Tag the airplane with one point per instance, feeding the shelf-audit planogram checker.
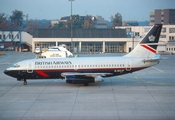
(85, 70)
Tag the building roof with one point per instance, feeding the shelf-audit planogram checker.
(80, 33)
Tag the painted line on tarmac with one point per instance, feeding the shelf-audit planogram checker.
(158, 69)
(5, 63)
(125, 78)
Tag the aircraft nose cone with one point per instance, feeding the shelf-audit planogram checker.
(6, 72)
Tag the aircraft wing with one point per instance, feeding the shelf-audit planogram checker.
(84, 74)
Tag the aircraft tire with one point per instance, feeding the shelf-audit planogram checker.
(86, 84)
(25, 82)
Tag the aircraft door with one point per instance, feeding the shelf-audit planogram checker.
(128, 65)
(30, 67)
(76, 67)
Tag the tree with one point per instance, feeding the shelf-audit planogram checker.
(77, 21)
(89, 22)
(116, 20)
(4, 25)
(60, 25)
(16, 19)
(30, 26)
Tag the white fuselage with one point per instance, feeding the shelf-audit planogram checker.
(52, 66)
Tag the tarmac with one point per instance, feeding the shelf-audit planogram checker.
(148, 94)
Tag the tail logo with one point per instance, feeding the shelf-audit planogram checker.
(151, 38)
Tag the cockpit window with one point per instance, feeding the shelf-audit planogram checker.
(16, 65)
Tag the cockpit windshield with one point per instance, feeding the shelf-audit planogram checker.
(16, 65)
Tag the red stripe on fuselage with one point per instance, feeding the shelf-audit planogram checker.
(149, 48)
(40, 72)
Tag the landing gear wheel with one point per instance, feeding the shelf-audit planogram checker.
(85, 83)
(25, 82)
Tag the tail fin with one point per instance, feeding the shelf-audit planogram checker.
(148, 45)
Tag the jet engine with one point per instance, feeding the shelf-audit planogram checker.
(82, 79)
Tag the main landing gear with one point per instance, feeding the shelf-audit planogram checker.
(25, 82)
(86, 83)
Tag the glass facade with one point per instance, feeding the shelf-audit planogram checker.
(114, 47)
(94, 47)
(86, 47)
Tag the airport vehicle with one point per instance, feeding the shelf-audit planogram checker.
(54, 54)
(37, 50)
(85, 70)
(61, 48)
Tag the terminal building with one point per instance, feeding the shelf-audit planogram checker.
(121, 39)
(83, 40)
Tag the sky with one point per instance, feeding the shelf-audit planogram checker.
(55, 9)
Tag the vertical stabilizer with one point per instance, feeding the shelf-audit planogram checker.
(148, 45)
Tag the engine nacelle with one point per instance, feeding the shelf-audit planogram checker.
(98, 79)
(82, 79)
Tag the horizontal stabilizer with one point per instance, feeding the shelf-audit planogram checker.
(150, 60)
(156, 58)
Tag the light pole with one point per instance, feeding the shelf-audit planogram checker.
(133, 35)
(72, 47)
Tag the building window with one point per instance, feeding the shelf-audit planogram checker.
(162, 36)
(18, 36)
(0, 36)
(171, 37)
(146, 29)
(171, 30)
(152, 16)
(152, 21)
(163, 29)
(4, 36)
(137, 34)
